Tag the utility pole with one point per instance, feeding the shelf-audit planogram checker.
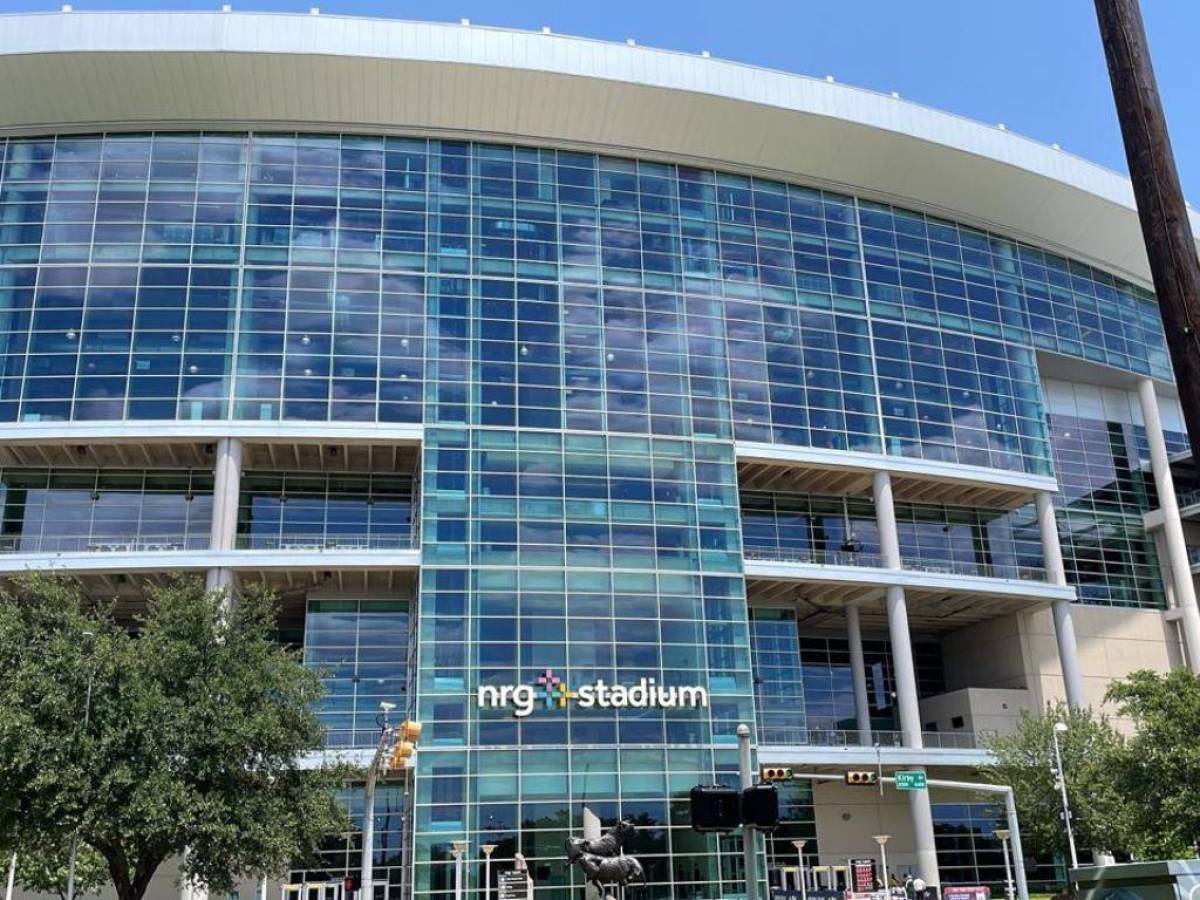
(1170, 246)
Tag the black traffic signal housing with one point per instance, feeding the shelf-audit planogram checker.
(715, 808)
(862, 777)
(760, 806)
(775, 773)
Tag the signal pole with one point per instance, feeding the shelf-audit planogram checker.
(747, 779)
(1166, 230)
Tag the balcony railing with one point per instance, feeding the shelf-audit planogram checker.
(141, 543)
(813, 557)
(323, 542)
(816, 737)
(1188, 499)
(50, 544)
(872, 560)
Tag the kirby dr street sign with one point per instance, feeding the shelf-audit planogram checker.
(910, 781)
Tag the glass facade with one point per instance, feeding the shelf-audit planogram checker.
(361, 649)
(312, 510)
(582, 339)
(933, 537)
(97, 510)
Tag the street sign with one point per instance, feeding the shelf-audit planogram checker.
(911, 781)
(513, 885)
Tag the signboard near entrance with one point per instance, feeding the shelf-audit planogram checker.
(911, 781)
(862, 875)
(513, 885)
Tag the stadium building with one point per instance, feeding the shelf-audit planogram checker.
(585, 401)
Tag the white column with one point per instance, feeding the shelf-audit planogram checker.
(1181, 569)
(907, 698)
(227, 477)
(1064, 624)
(858, 673)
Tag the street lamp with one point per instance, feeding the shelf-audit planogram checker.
(1061, 776)
(488, 850)
(881, 840)
(87, 715)
(799, 845)
(1004, 834)
(457, 849)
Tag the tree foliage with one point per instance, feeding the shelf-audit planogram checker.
(198, 725)
(1091, 752)
(43, 868)
(1160, 764)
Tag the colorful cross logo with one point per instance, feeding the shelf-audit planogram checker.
(554, 691)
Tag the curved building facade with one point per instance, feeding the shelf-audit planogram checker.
(586, 402)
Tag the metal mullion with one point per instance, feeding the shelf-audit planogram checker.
(235, 331)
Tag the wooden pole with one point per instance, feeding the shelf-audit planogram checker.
(1170, 246)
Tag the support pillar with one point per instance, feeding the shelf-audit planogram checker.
(858, 673)
(1177, 555)
(1064, 624)
(904, 672)
(227, 477)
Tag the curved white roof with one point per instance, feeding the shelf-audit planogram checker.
(93, 71)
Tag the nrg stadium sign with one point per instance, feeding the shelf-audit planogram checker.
(554, 693)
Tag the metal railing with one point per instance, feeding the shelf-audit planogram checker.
(1188, 499)
(813, 557)
(322, 542)
(819, 737)
(140, 543)
(872, 560)
(157, 543)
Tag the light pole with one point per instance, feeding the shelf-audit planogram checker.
(488, 850)
(881, 840)
(87, 716)
(799, 845)
(1059, 728)
(366, 889)
(747, 780)
(1004, 834)
(457, 849)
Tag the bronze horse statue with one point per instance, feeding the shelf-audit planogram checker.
(604, 870)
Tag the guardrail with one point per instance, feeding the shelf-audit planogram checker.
(321, 542)
(141, 543)
(1188, 499)
(872, 560)
(818, 737)
(157, 543)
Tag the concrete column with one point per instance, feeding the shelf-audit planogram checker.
(904, 672)
(227, 477)
(1181, 569)
(858, 672)
(1064, 624)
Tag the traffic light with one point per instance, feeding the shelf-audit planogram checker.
(715, 808)
(776, 773)
(407, 734)
(862, 777)
(760, 806)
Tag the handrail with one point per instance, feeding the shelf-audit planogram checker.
(325, 541)
(93, 543)
(142, 543)
(872, 560)
(819, 737)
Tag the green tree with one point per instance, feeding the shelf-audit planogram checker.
(1160, 771)
(198, 727)
(44, 869)
(1091, 754)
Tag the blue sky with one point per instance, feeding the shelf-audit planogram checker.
(1036, 65)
